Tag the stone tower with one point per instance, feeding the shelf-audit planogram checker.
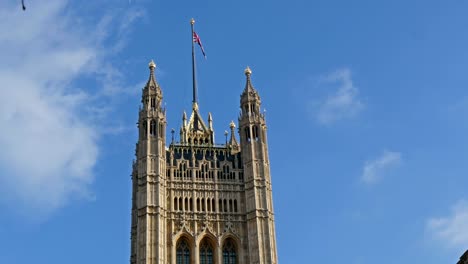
(196, 201)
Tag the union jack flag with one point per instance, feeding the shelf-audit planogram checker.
(197, 40)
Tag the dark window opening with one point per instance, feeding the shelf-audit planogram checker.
(229, 252)
(183, 252)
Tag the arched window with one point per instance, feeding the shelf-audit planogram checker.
(175, 204)
(153, 128)
(206, 252)
(255, 133)
(247, 133)
(229, 252)
(183, 252)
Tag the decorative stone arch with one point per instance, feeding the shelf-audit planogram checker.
(184, 234)
(206, 235)
(237, 242)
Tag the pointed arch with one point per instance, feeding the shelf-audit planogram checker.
(183, 251)
(230, 251)
(152, 127)
(206, 251)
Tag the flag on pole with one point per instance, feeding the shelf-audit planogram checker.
(197, 40)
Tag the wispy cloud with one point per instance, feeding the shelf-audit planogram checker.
(374, 170)
(48, 144)
(342, 101)
(451, 230)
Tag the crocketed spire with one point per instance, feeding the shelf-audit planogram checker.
(152, 79)
(249, 92)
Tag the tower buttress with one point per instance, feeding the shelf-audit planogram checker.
(149, 178)
(258, 191)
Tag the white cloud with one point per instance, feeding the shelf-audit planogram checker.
(451, 230)
(48, 147)
(340, 104)
(375, 169)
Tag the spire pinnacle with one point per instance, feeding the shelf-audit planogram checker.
(249, 89)
(232, 125)
(248, 71)
(152, 65)
(232, 141)
(152, 79)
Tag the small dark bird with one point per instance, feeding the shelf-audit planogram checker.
(24, 7)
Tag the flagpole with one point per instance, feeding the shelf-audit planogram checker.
(194, 101)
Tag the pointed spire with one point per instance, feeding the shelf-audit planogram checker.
(249, 89)
(210, 121)
(232, 141)
(152, 79)
(184, 118)
(233, 145)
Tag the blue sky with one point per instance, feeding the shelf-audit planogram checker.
(366, 107)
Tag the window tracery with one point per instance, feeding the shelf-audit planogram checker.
(183, 252)
(206, 252)
(229, 252)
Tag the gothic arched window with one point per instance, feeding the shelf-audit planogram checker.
(153, 128)
(229, 252)
(206, 252)
(183, 252)
(247, 133)
(255, 133)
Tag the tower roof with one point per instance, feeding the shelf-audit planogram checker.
(152, 85)
(249, 92)
(195, 131)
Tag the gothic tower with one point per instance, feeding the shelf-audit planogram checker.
(197, 201)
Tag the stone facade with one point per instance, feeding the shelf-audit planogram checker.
(463, 258)
(195, 201)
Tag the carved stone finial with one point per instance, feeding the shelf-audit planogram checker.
(152, 65)
(248, 71)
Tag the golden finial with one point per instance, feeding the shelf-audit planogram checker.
(152, 65)
(192, 21)
(232, 125)
(248, 71)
